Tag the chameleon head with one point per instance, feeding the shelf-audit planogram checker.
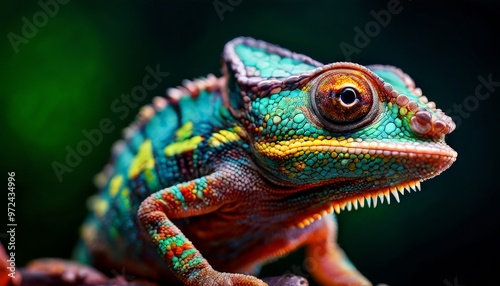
(343, 125)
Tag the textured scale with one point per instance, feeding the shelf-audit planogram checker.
(224, 174)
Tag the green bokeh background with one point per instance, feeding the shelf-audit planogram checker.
(65, 77)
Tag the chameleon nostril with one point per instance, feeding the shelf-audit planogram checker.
(441, 126)
(431, 125)
(420, 127)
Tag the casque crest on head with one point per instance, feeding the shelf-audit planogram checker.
(343, 96)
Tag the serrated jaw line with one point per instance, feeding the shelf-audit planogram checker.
(369, 199)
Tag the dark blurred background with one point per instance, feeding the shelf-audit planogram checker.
(61, 69)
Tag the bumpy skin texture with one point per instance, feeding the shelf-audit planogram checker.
(227, 173)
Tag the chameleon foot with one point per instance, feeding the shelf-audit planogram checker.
(210, 277)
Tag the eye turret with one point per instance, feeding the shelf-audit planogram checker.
(344, 99)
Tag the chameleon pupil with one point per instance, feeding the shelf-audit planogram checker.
(348, 96)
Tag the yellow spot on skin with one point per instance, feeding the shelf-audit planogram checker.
(88, 233)
(231, 136)
(100, 207)
(180, 147)
(125, 198)
(299, 166)
(352, 166)
(403, 111)
(221, 137)
(143, 160)
(150, 176)
(114, 185)
(240, 132)
(125, 192)
(185, 131)
(213, 142)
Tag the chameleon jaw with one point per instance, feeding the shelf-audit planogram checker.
(438, 155)
(370, 198)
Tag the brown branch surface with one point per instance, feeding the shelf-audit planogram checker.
(59, 272)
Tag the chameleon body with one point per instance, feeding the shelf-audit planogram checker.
(225, 174)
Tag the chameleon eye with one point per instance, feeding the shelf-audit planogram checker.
(343, 99)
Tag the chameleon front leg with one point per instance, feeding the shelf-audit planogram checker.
(197, 197)
(329, 264)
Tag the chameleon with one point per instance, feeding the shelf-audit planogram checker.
(224, 174)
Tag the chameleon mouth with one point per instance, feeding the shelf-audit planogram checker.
(420, 161)
(369, 199)
(420, 157)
